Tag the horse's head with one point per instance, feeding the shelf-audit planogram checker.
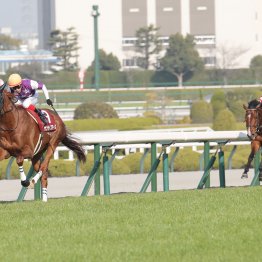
(6, 97)
(253, 119)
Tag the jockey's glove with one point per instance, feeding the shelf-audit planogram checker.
(49, 102)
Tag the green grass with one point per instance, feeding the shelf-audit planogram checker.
(190, 225)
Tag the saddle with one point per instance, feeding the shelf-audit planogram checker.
(51, 126)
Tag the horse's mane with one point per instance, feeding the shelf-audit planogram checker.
(253, 104)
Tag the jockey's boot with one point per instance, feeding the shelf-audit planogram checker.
(42, 116)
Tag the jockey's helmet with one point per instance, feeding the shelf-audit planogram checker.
(14, 80)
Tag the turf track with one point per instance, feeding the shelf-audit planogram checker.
(186, 225)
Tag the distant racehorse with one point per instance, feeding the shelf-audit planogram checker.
(253, 119)
(21, 137)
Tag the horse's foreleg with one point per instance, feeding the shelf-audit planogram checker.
(24, 181)
(247, 167)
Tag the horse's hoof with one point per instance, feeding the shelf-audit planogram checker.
(244, 176)
(44, 198)
(25, 183)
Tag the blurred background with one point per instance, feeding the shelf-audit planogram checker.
(183, 62)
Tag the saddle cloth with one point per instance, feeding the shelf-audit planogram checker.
(43, 128)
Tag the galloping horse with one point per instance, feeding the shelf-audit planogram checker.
(20, 137)
(253, 119)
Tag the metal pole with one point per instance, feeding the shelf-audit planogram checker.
(206, 162)
(95, 14)
(255, 181)
(97, 175)
(106, 175)
(38, 190)
(142, 160)
(222, 178)
(165, 172)
(153, 159)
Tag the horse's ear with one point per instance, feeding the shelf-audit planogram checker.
(245, 107)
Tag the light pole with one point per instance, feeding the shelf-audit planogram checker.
(95, 14)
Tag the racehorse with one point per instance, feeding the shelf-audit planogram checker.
(253, 119)
(21, 137)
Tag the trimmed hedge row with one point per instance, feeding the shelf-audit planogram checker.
(133, 123)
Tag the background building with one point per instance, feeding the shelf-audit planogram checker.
(228, 33)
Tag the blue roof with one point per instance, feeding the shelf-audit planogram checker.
(27, 55)
(27, 52)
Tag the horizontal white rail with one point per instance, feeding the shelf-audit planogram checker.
(162, 137)
(133, 141)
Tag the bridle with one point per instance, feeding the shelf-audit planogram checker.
(255, 123)
(3, 111)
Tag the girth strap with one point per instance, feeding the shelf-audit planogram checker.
(39, 143)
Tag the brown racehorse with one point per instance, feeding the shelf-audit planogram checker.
(253, 119)
(21, 138)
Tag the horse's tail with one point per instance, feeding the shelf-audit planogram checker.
(70, 142)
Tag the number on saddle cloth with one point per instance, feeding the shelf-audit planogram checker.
(51, 126)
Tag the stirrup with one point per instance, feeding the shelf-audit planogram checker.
(43, 118)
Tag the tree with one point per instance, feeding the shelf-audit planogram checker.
(225, 120)
(227, 58)
(147, 44)
(256, 66)
(64, 45)
(107, 62)
(218, 102)
(9, 43)
(181, 57)
(201, 112)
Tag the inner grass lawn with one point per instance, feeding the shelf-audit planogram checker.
(187, 225)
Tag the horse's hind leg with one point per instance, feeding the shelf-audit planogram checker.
(40, 174)
(42, 169)
(44, 186)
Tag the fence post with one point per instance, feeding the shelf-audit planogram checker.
(255, 181)
(222, 178)
(173, 159)
(91, 177)
(206, 162)
(8, 168)
(153, 159)
(38, 190)
(106, 174)
(231, 156)
(165, 171)
(23, 191)
(142, 160)
(97, 175)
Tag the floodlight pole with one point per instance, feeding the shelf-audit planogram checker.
(95, 14)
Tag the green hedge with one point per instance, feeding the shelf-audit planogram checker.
(112, 124)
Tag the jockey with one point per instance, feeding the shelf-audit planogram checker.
(260, 102)
(27, 96)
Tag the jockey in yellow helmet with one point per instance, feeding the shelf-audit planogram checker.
(26, 92)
